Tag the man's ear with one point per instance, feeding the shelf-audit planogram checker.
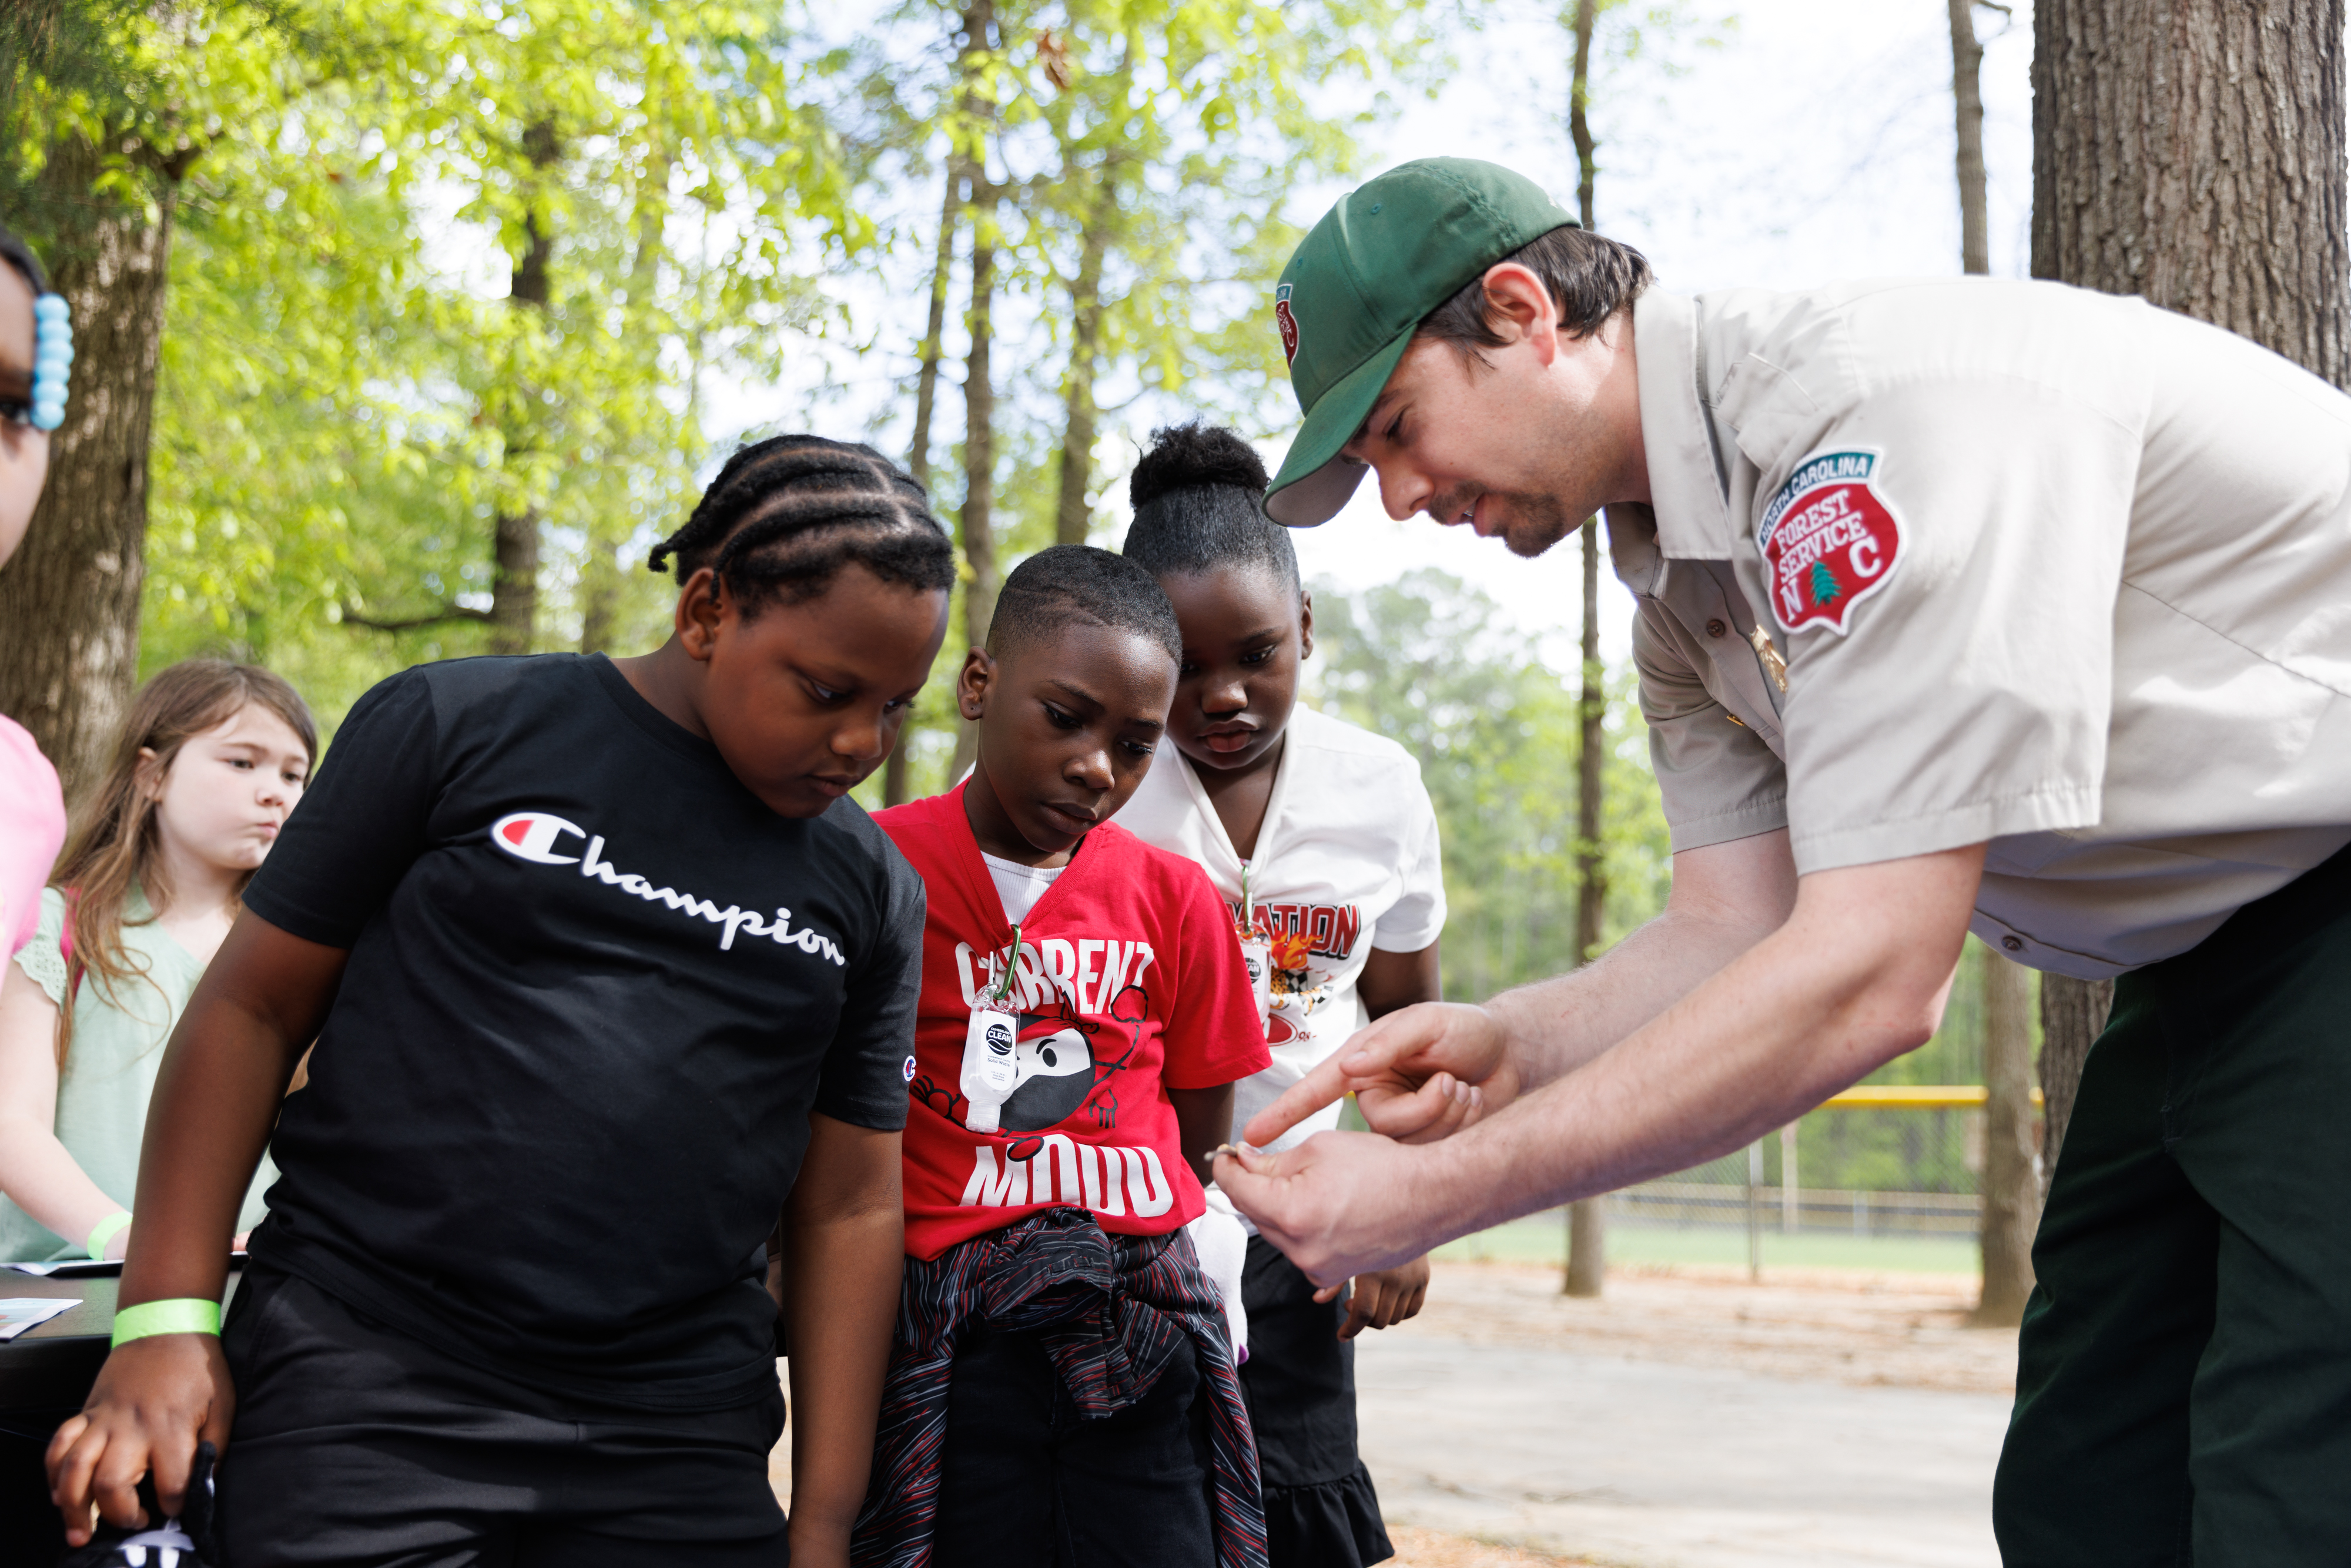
(974, 682)
(701, 608)
(1305, 625)
(1518, 307)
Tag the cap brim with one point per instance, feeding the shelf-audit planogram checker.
(1315, 480)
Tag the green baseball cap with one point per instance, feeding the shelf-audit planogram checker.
(1361, 281)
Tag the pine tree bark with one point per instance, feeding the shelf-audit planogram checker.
(1966, 98)
(2012, 1183)
(513, 591)
(927, 379)
(70, 597)
(976, 522)
(1587, 1233)
(2191, 151)
(1079, 415)
(977, 519)
(2073, 1015)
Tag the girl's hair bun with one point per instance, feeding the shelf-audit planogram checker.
(1188, 456)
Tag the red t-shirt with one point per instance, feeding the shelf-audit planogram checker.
(1129, 984)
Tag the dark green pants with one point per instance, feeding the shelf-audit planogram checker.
(2183, 1387)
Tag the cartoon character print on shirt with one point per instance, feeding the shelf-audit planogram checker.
(1058, 1073)
(1053, 1061)
(1299, 933)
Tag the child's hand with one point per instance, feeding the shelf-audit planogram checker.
(155, 1399)
(1383, 1300)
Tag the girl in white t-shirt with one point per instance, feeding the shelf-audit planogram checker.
(1323, 841)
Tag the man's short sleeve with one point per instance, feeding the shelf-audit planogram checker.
(1966, 696)
(1718, 778)
(870, 1062)
(1212, 1035)
(362, 821)
(1418, 918)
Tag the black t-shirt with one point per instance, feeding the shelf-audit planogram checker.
(595, 989)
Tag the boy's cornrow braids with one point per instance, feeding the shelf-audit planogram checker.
(785, 514)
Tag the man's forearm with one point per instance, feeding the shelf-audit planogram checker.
(1839, 990)
(1556, 1026)
(1725, 898)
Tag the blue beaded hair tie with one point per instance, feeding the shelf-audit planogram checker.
(53, 356)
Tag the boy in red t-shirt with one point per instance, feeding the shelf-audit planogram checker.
(1061, 1388)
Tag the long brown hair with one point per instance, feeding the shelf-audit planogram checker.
(115, 847)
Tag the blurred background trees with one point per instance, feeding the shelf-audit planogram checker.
(407, 328)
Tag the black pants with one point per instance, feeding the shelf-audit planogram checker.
(355, 1444)
(1025, 1481)
(2183, 1390)
(1300, 1381)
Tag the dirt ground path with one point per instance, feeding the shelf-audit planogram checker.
(1904, 1330)
(1688, 1419)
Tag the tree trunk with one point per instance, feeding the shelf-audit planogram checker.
(513, 591)
(1579, 96)
(2191, 151)
(70, 598)
(1966, 97)
(2073, 1015)
(1587, 1224)
(926, 383)
(1078, 414)
(600, 574)
(976, 522)
(2011, 1186)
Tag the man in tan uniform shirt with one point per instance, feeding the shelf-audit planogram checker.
(1962, 605)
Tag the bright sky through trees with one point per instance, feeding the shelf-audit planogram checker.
(1814, 142)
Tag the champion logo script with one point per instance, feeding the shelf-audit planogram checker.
(535, 836)
(1287, 320)
(1828, 540)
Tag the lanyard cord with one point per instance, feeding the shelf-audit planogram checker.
(1011, 965)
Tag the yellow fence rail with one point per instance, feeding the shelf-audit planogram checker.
(1913, 1097)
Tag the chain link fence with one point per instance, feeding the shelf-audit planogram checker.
(1864, 1171)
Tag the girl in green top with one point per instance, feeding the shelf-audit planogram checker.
(211, 762)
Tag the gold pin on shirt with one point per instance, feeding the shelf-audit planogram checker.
(1773, 665)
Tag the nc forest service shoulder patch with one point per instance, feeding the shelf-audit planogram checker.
(1284, 318)
(1828, 540)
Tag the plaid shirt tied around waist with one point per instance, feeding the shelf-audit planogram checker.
(1111, 1312)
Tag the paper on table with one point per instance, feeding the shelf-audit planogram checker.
(18, 1313)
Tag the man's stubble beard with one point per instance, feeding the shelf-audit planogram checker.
(1542, 523)
(1549, 510)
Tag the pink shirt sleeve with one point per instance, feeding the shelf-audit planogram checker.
(32, 831)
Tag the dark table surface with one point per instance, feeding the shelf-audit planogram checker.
(45, 1374)
(51, 1365)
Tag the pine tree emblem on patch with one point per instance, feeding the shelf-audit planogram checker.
(1829, 540)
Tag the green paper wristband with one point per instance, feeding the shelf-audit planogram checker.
(180, 1314)
(105, 1231)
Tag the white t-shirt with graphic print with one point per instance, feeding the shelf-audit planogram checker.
(1347, 861)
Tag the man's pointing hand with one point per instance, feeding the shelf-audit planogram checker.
(1421, 1073)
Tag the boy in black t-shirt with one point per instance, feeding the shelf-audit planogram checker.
(594, 951)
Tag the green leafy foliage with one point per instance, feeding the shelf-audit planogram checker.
(1496, 733)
